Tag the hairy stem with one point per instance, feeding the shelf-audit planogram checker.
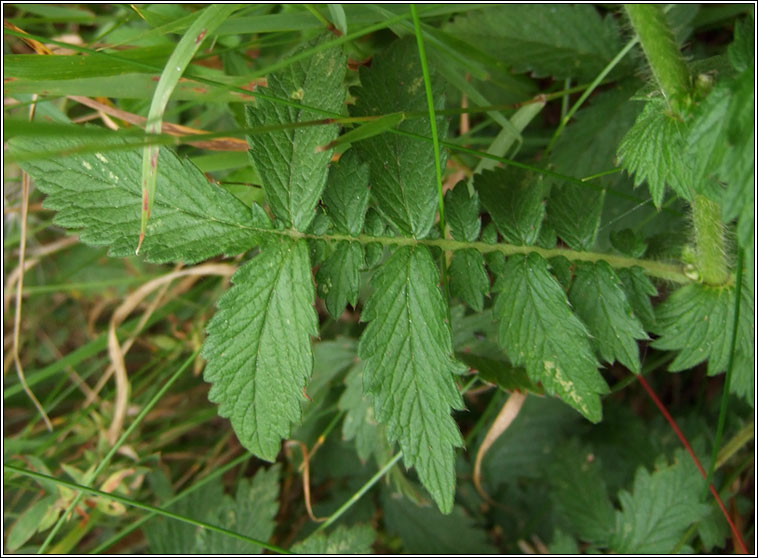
(668, 271)
(660, 49)
(709, 241)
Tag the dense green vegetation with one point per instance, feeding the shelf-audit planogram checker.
(379, 278)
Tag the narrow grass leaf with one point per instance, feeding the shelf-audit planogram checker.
(180, 58)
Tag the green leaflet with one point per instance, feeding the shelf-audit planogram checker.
(697, 321)
(462, 213)
(652, 150)
(424, 530)
(251, 512)
(343, 540)
(549, 40)
(338, 278)
(347, 193)
(575, 213)
(359, 423)
(659, 509)
(515, 200)
(468, 279)
(292, 171)
(99, 195)
(599, 301)
(408, 367)
(639, 289)
(538, 330)
(258, 346)
(579, 492)
(402, 169)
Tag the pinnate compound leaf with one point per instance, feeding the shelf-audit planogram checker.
(424, 530)
(652, 151)
(343, 540)
(347, 193)
(258, 346)
(99, 195)
(549, 40)
(293, 172)
(600, 302)
(338, 277)
(516, 201)
(539, 331)
(697, 319)
(402, 169)
(660, 507)
(462, 213)
(408, 366)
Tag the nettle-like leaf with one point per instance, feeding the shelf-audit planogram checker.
(292, 169)
(251, 512)
(599, 301)
(697, 319)
(343, 540)
(549, 40)
(259, 348)
(424, 530)
(99, 195)
(653, 151)
(538, 330)
(408, 366)
(403, 182)
(579, 493)
(462, 213)
(661, 506)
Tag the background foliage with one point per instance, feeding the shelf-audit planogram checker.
(615, 176)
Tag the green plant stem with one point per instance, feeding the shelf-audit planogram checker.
(667, 271)
(195, 486)
(104, 463)
(126, 501)
(709, 241)
(661, 50)
(359, 494)
(587, 92)
(729, 370)
(745, 434)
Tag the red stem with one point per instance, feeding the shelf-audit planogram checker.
(741, 548)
